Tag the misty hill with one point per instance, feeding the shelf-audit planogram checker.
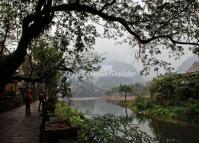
(100, 84)
(119, 66)
(184, 67)
(194, 67)
(109, 82)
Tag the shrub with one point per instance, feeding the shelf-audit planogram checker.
(142, 102)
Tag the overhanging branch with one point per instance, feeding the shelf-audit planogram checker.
(123, 22)
(107, 4)
(28, 79)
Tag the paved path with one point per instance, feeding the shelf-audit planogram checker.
(15, 127)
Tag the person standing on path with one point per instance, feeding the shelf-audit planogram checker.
(28, 101)
(42, 100)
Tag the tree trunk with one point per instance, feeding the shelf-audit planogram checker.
(9, 64)
(125, 96)
(126, 114)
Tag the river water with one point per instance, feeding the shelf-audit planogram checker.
(164, 132)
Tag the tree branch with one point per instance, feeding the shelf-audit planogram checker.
(40, 4)
(172, 18)
(4, 40)
(25, 78)
(107, 4)
(123, 22)
(31, 65)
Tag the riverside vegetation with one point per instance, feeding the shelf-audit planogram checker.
(172, 97)
(185, 110)
(107, 128)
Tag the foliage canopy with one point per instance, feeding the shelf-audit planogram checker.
(150, 25)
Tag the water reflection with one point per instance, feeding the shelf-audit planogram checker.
(96, 107)
(164, 132)
(174, 133)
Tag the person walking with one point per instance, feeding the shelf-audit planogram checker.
(41, 100)
(28, 101)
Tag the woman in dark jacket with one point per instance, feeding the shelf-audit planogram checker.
(41, 100)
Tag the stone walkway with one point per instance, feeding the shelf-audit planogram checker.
(15, 127)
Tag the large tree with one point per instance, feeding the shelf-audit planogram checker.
(150, 24)
(48, 64)
(44, 61)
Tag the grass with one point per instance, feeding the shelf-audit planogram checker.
(184, 111)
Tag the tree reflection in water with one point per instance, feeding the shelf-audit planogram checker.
(164, 132)
(174, 133)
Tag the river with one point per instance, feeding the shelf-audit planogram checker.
(164, 132)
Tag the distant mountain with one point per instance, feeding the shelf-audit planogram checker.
(119, 66)
(184, 67)
(101, 83)
(115, 81)
(194, 67)
(109, 82)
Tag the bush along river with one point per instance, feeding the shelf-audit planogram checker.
(162, 131)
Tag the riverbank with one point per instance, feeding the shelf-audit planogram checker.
(108, 98)
(118, 98)
(100, 128)
(160, 129)
(186, 111)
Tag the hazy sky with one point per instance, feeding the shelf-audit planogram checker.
(123, 53)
